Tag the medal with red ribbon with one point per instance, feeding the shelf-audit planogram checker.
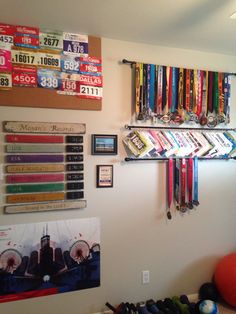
(190, 183)
(183, 205)
(170, 187)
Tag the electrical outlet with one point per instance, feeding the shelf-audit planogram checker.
(145, 276)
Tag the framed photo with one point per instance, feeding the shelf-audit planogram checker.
(104, 176)
(103, 144)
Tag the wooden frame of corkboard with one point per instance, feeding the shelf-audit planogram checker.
(45, 98)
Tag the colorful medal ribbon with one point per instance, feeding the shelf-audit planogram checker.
(195, 188)
(167, 90)
(175, 78)
(221, 94)
(190, 183)
(210, 91)
(216, 94)
(170, 186)
(164, 83)
(177, 188)
(170, 90)
(137, 88)
(195, 90)
(200, 91)
(183, 207)
(159, 89)
(152, 88)
(187, 91)
(144, 90)
(191, 104)
(180, 92)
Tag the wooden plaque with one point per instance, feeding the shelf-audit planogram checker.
(45, 98)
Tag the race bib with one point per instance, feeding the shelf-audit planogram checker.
(26, 57)
(6, 35)
(24, 76)
(5, 60)
(49, 60)
(27, 37)
(93, 92)
(5, 81)
(52, 40)
(75, 44)
(70, 64)
(48, 79)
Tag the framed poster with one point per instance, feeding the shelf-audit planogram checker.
(45, 258)
(104, 144)
(104, 176)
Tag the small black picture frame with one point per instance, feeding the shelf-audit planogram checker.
(104, 144)
(104, 176)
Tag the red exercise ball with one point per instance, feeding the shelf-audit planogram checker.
(225, 278)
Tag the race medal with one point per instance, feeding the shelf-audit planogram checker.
(48, 79)
(24, 76)
(177, 184)
(49, 59)
(176, 118)
(166, 118)
(6, 35)
(24, 56)
(183, 205)
(211, 121)
(70, 64)
(190, 183)
(5, 60)
(27, 37)
(170, 186)
(195, 181)
(75, 44)
(221, 118)
(51, 40)
(5, 81)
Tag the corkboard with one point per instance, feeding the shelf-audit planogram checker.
(45, 98)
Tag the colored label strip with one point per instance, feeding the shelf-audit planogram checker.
(30, 178)
(21, 148)
(34, 158)
(28, 198)
(20, 138)
(30, 188)
(28, 208)
(35, 168)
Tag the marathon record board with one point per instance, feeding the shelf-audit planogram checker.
(49, 69)
(43, 166)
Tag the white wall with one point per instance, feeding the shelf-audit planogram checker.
(135, 235)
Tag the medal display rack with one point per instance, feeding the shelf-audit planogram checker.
(204, 156)
(179, 96)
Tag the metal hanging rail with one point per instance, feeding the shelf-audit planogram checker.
(131, 63)
(130, 127)
(167, 158)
